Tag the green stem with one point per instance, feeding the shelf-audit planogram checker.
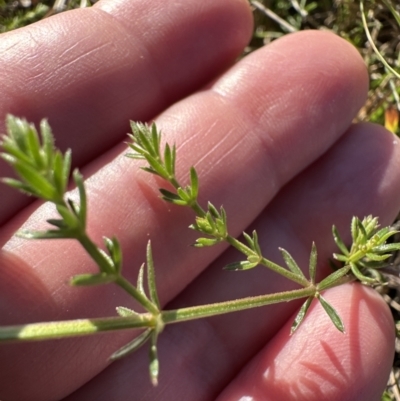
(198, 209)
(83, 327)
(267, 263)
(140, 297)
(285, 273)
(202, 311)
(106, 266)
(73, 328)
(239, 245)
(92, 249)
(245, 249)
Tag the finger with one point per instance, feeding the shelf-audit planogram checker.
(91, 70)
(247, 160)
(302, 212)
(319, 362)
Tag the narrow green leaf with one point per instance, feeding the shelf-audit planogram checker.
(386, 248)
(132, 346)
(48, 142)
(137, 156)
(39, 185)
(154, 364)
(134, 127)
(244, 265)
(33, 144)
(381, 234)
(361, 277)
(290, 262)
(177, 202)
(332, 278)
(173, 159)
(213, 210)
(92, 279)
(202, 242)
(74, 209)
(362, 236)
(17, 129)
(222, 230)
(78, 178)
(117, 255)
(138, 151)
(168, 195)
(150, 170)
(256, 243)
(371, 264)
(301, 315)
(340, 257)
(58, 173)
(155, 139)
(57, 223)
(66, 168)
(172, 198)
(139, 284)
(69, 217)
(194, 183)
(370, 224)
(151, 277)
(146, 142)
(183, 194)
(126, 312)
(211, 222)
(354, 229)
(313, 263)
(156, 167)
(249, 240)
(339, 242)
(20, 186)
(114, 249)
(10, 149)
(378, 258)
(333, 315)
(168, 160)
(49, 234)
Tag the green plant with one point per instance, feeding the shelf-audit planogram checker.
(43, 171)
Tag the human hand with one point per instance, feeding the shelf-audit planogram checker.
(272, 141)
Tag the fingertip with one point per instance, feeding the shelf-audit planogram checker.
(318, 362)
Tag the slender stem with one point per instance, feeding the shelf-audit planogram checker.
(92, 249)
(239, 245)
(197, 312)
(73, 328)
(105, 266)
(174, 182)
(140, 297)
(198, 209)
(246, 250)
(267, 263)
(283, 272)
(83, 327)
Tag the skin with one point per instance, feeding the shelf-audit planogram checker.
(272, 139)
